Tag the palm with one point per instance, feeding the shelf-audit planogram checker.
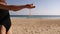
(30, 6)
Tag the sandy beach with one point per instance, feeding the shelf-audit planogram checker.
(35, 26)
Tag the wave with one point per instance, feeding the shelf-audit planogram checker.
(35, 16)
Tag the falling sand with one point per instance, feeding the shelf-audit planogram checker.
(35, 26)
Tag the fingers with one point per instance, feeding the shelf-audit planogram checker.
(33, 6)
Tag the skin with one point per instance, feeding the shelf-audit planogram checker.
(13, 8)
(16, 8)
(0, 28)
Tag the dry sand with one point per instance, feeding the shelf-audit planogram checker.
(35, 26)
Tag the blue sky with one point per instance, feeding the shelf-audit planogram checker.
(43, 7)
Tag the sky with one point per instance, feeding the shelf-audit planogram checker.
(43, 7)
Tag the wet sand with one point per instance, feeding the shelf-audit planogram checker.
(35, 26)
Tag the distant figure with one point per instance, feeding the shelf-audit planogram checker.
(5, 22)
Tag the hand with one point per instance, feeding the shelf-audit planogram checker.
(30, 6)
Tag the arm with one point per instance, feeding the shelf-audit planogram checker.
(16, 8)
(11, 7)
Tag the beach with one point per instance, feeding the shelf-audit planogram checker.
(35, 26)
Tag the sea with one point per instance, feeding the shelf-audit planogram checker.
(36, 16)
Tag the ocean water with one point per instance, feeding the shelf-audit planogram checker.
(36, 16)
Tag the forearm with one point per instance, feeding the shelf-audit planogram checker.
(17, 7)
(12, 7)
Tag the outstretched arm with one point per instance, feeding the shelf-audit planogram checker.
(16, 8)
